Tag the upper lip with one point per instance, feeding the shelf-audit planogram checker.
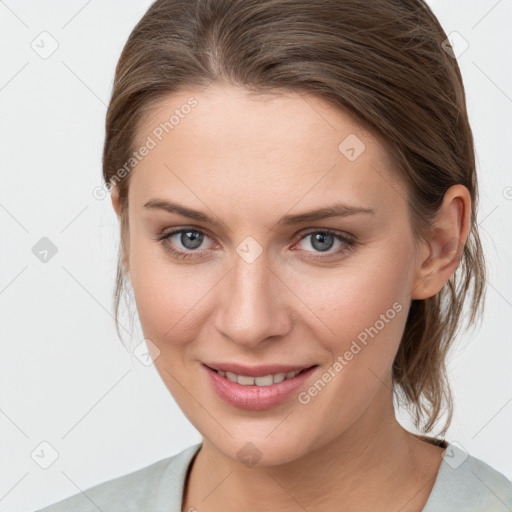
(256, 371)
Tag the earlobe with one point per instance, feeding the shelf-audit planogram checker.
(445, 245)
(114, 197)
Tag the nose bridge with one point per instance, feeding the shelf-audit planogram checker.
(251, 309)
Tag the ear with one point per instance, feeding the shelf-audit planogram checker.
(114, 197)
(440, 254)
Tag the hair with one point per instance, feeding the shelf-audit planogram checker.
(385, 62)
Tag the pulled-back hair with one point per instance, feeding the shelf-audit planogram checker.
(386, 62)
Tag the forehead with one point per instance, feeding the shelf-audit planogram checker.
(274, 118)
(224, 141)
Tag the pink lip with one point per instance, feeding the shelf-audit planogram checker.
(256, 371)
(256, 398)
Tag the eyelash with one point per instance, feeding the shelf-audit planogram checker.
(349, 243)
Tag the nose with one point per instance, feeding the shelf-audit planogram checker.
(252, 304)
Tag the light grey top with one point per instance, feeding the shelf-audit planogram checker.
(463, 484)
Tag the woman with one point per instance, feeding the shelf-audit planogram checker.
(296, 188)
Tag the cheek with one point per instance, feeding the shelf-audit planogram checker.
(349, 299)
(170, 298)
(157, 288)
(167, 303)
(366, 311)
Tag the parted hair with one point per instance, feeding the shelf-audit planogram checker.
(386, 62)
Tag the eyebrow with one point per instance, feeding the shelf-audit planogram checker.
(334, 210)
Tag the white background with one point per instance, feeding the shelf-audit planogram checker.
(65, 377)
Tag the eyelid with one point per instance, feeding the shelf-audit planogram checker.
(309, 231)
(349, 240)
(330, 231)
(348, 243)
(172, 231)
(167, 234)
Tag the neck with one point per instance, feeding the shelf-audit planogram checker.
(375, 465)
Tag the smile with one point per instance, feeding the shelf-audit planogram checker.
(266, 380)
(260, 392)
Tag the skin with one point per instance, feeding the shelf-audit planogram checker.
(248, 161)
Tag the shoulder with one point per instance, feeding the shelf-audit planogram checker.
(145, 489)
(467, 484)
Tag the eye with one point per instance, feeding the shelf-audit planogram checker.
(189, 239)
(186, 243)
(323, 240)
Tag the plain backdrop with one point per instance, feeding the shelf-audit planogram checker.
(72, 397)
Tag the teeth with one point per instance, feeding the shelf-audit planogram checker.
(279, 377)
(231, 376)
(267, 380)
(245, 381)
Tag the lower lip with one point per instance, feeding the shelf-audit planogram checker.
(256, 398)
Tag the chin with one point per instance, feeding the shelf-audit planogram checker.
(263, 451)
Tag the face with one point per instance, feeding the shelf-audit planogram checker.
(251, 279)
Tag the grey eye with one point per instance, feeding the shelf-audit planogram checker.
(321, 241)
(191, 239)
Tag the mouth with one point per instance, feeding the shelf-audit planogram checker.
(258, 376)
(257, 393)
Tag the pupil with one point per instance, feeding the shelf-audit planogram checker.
(191, 239)
(321, 237)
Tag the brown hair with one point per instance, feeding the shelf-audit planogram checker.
(383, 61)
